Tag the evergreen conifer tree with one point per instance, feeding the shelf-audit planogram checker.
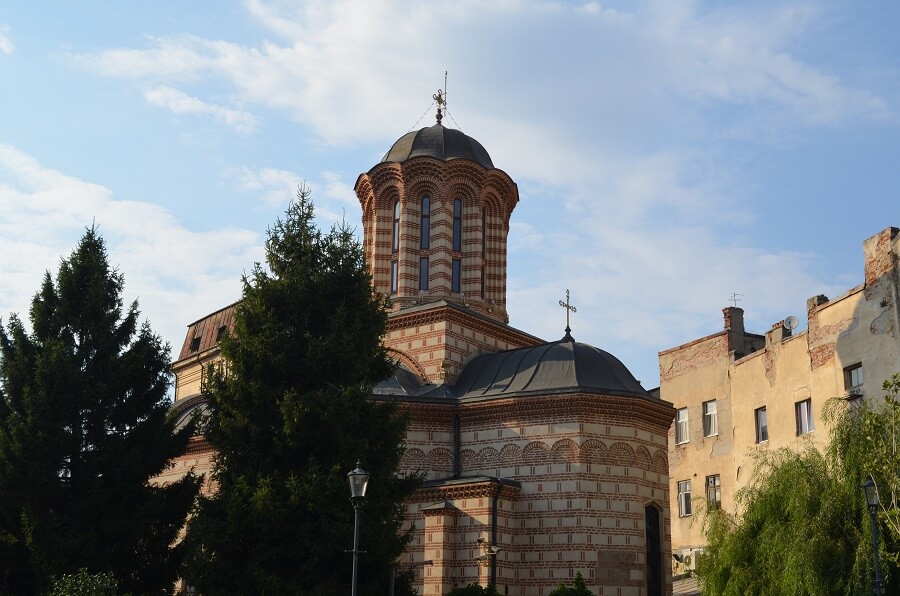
(84, 426)
(290, 419)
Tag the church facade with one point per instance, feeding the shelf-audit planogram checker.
(541, 459)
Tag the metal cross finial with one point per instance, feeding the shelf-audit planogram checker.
(569, 308)
(441, 103)
(735, 298)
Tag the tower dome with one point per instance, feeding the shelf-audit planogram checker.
(435, 221)
(441, 143)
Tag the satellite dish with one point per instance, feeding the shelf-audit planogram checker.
(791, 323)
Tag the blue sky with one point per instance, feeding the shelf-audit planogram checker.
(667, 153)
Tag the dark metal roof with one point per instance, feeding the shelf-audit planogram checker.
(558, 367)
(438, 142)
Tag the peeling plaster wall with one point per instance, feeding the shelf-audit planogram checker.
(857, 327)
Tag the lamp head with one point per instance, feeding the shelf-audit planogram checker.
(871, 491)
(359, 481)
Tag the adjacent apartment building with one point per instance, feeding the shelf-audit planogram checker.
(736, 393)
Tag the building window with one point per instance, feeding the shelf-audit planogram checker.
(220, 333)
(457, 225)
(762, 425)
(684, 498)
(425, 222)
(454, 279)
(853, 377)
(195, 344)
(394, 276)
(714, 492)
(681, 426)
(423, 274)
(484, 233)
(395, 230)
(710, 419)
(803, 410)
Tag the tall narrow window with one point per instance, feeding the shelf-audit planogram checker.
(454, 280)
(710, 419)
(484, 233)
(684, 498)
(423, 274)
(484, 253)
(425, 221)
(681, 426)
(762, 425)
(395, 243)
(714, 491)
(803, 410)
(457, 225)
(394, 277)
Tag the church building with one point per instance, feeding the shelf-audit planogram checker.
(542, 459)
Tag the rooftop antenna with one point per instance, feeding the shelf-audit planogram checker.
(735, 298)
(569, 308)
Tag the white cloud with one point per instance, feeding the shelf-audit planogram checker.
(644, 207)
(6, 45)
(177, 274)
(275, 187)
(182, 103)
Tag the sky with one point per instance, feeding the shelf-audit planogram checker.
(667, 154)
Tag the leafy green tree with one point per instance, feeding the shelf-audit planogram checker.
(579, 588)
(802, 526)
(291, 417)
(84, 426)
(474, 590)
(84, 584)
(866, 439)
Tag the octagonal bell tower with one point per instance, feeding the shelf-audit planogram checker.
(435, 221)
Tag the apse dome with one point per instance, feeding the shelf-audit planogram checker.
(439, 142)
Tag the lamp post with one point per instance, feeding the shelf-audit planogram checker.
(359, 481)
(871, 491)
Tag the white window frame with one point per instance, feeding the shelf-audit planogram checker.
(682, 426)
(804, 415)
(761, 428)
(710, 419)
(684, 498)
(853, 376)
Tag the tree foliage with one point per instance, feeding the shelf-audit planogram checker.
(802, 526)
(474, 590)
(84, 583)
(84, 426)
(579, 588)
(292, 416)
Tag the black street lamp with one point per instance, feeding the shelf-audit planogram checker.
(359, 481)
(871, 491)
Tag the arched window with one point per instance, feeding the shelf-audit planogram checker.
(457, 225)
(395, 246)
(425, 238)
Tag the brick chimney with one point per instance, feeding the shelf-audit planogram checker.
(734, 326)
